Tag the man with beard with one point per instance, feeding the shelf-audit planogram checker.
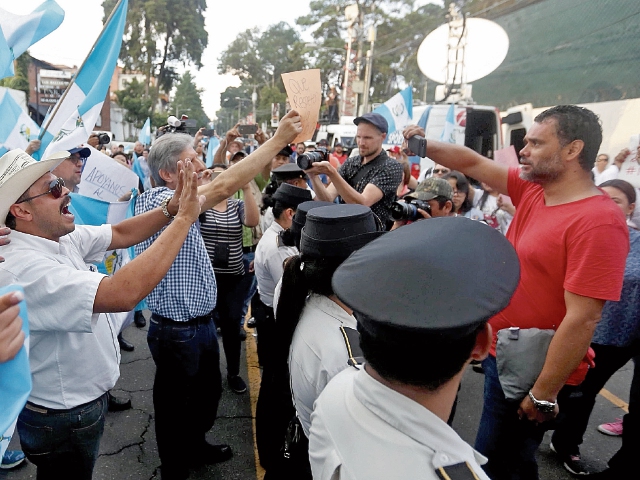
(561, 222)
(370, 178)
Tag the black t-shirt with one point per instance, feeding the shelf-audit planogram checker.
(383, 172)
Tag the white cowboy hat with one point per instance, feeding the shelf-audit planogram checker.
(18, 171)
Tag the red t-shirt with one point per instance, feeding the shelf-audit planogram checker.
(580, 246)
(340, 158)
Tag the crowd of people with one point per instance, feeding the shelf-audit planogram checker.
(351, 270)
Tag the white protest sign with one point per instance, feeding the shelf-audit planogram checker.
(105, 179)
(630, 169)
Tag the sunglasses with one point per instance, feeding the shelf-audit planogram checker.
(55, 189)
(441, 170)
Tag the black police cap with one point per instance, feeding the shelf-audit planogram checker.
(338, 230)
(291, 195)
(442, 274)
(288, 171)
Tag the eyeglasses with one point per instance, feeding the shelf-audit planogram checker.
(55, 189)
(76, 160)
(441, 170)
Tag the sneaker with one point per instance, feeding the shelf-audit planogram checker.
(571, 462)
(236, 384)
(614, 428)
(476, 366)
(11, 459)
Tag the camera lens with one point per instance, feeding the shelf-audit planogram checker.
(404, 211)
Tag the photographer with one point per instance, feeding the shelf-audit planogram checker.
(432, 198)
(370, 178)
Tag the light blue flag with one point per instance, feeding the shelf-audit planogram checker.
(15, 380)
(398, 112)
(212, 147)
(145, 133)
(19, 32)
(448, 133)
(16, 128)
(74, 118)
(424, 118)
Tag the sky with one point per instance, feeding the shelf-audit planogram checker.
(70, 43)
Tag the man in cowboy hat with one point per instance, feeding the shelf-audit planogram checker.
(73, 356)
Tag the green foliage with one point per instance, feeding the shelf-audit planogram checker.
(20, 81)
(187, 101)
(132, 99)
(160, 35)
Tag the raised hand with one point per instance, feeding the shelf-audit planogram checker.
(190, 201)
(11, 334)
(289, 128)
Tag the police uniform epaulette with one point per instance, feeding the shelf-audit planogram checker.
(459, 471)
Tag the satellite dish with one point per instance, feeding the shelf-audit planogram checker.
(486, 47)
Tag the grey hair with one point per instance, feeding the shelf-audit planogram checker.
(165, 153)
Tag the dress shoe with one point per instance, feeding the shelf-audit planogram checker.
(124, 345)
(139, 320)
(118, 404)
(251, 323)
(208, 454)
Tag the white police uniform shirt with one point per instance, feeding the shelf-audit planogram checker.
(268, 262)
(318, 352)
(361, 429)
(74, 355)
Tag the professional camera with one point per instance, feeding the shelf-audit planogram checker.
(174, 125)
(306, 160)
(103, 138)
(409, 210)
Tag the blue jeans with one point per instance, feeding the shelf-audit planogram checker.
(186, 389)
(508, 442)
(248, 284)
(63, 443)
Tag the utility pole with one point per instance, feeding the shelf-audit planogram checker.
(368, 70)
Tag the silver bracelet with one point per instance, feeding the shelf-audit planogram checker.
(165, 210)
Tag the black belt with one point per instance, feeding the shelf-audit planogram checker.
(46, 410)
(250, 249)
(192, 321)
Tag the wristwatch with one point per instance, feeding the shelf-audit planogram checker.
(165, 210)
(543, 406)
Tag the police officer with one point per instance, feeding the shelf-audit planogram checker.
(388, 418)
(270, 253)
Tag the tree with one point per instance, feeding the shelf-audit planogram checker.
(159, 35)
(259, 58)
(136, 105)
(20, 81)
(187, 100)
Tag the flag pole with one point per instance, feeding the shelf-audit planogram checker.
(73, 80)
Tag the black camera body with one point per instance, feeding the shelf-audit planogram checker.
(306, 160)
(409, 210)
(103, 138)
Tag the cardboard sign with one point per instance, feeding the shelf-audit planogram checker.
(105, 179)
(630, 170)
(507, 156)
(305, 96)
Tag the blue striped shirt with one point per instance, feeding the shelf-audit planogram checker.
(189, 288)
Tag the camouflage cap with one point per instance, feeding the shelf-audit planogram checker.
(432, 187)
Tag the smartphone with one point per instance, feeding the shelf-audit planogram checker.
(247, 129)
(418, 145)
(208, 132)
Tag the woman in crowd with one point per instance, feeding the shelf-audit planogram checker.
(461, 204)
(270, 254)
(497, 209)
(222, 234)
(312, 326)
(615, 342)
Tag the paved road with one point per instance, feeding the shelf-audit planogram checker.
(128, 449)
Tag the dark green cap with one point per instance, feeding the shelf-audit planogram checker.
(430, 188)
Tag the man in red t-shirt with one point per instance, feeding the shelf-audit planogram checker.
(561, 222)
